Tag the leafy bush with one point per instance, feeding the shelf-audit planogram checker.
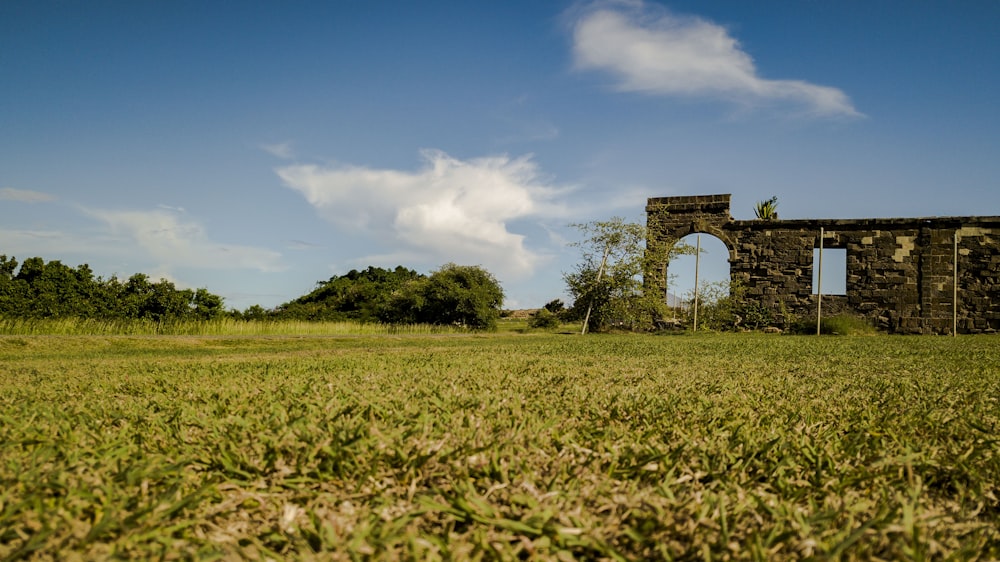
(755, 315)
(717, 306)
(543, 319)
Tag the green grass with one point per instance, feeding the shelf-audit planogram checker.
(472, 446)
(219, 327)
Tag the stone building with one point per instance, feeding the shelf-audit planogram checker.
(900, 273)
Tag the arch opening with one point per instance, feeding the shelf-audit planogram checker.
(713, 272)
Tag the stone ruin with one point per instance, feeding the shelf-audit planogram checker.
(901, 273)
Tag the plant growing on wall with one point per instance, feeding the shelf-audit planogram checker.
(767, 210)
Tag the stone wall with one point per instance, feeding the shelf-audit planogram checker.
(900, 272)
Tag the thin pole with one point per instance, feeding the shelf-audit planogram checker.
(697, 259)
(954, 292)
(819, 284)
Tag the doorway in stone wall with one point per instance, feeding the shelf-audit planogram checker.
(713, 275)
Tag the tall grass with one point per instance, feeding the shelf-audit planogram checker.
(218, 327)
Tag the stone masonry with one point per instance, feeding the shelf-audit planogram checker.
(900, 272)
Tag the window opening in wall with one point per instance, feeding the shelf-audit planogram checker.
(834, 271)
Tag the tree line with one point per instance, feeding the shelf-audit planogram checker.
(462, 295)
(40, 289)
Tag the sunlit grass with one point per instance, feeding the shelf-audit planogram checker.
(500, 446)
(219, 327)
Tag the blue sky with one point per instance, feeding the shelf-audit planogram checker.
(256, 148)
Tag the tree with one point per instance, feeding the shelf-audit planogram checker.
(205, 305)
(607, 284)
(467, 295)
(252, 313)
(455, 294)
(358, 295)
(406, 303)
(7, 267)
(555, 306)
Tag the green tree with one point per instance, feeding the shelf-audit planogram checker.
(7, 267)
(13, 291)
(465, 295)
(454, 294)
(206, 306)
(252, 313)
(358, 295)
(607, 284)
(51, 290)
(555, 306)
(406, 304)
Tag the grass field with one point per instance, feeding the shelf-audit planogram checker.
(459, 446)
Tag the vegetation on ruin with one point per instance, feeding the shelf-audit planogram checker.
(767, 210)
(485, 446)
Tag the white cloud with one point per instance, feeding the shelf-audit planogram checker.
(44, 243)
(655, 52)
(24, 195)
(162, 236)
(281, 150)
(450, 210)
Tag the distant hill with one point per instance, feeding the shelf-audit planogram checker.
(520, 314)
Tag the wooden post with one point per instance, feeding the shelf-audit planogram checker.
(697, 259)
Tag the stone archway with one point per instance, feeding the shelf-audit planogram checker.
(669, 219)
(713, 267)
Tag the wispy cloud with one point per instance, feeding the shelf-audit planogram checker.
(164, 237)
(301, 245)
(652, 51)
(24, 195)
(449, 210)
(281, 150)
(50, 243)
